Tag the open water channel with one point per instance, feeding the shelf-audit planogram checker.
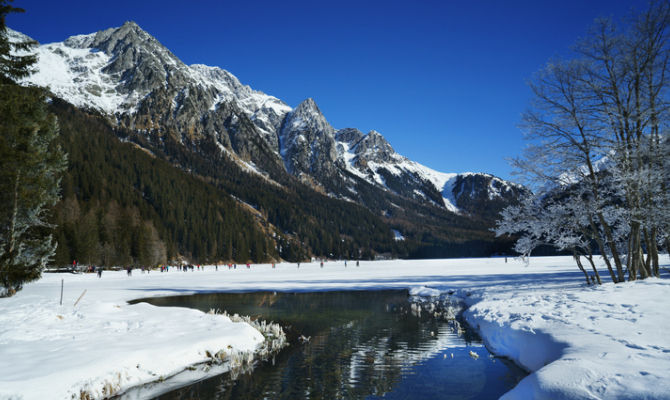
(362, 345)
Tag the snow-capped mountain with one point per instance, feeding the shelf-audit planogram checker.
(115, 69)
(126, 74)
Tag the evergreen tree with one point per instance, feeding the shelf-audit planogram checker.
(13, 66)
(30, 166)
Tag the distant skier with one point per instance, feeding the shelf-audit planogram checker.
(99, 272)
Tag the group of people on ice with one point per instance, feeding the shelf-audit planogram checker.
(180, 267)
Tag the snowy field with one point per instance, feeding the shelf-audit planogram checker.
(580, 343)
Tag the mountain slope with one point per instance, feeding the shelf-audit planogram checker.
(122, 205)
(114, 188)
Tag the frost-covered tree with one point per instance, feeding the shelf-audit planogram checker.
(563, 219)
(629, 82)
(30, 166)
(597, 130)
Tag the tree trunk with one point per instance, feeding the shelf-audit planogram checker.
(10, 244)
(653, 253)
(639, 254)
(593, 266)
(645, 273)
(601, 246)
(633, 256)
(636, 258)
(647, 262)
(612, 246)
(579, 264)
(632, 274)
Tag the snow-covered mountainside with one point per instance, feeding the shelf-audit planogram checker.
(126, 74)
(371, 157)
(115, 69)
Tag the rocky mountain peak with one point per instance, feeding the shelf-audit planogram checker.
(310, 104)
(308, 108)
(307, 117)
(114, 40)
(137, 61)
(307, 141)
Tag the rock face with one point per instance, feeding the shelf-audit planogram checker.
(126, 74)
(307, 142)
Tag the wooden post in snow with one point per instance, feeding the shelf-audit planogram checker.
(82, 295)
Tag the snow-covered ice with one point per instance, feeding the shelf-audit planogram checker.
(580, 342)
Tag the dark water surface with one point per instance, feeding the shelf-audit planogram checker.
(363, 345)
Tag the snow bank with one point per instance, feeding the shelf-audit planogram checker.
(424, 291)
(599, 343)
(579, 342)
(103, 345)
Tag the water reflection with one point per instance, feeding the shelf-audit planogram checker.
(364, 344)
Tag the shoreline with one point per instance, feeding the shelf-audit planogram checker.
(103, 338)
(576, 353)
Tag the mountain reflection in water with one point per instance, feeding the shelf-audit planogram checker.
(362, 345)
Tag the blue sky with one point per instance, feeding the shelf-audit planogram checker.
(443, 81)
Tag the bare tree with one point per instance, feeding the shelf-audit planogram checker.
(597, 137)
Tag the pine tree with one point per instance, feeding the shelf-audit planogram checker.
(13, 66)
(30, 166)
